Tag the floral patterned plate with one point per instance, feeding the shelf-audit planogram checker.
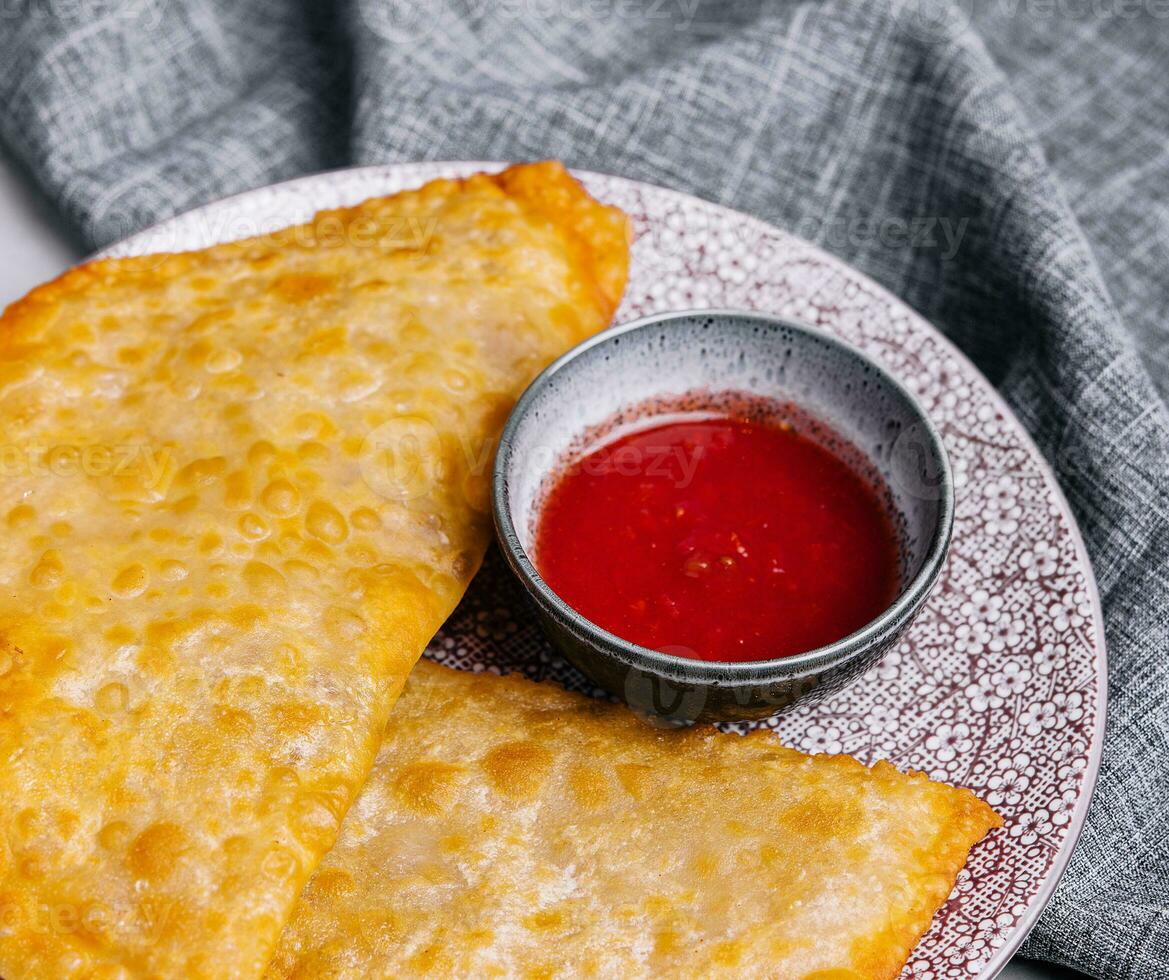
(1000, 684)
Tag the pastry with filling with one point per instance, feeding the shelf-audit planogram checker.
(513, 829)
(242, 487)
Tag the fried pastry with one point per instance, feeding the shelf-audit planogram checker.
(242, 489)
(514, 829)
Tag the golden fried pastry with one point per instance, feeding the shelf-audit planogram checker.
(514, 829)
(242, 487)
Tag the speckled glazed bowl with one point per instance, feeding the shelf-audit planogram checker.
(657, 365)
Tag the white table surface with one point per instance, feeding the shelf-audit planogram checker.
(34, 247)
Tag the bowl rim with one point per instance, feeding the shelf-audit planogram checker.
(721, 672)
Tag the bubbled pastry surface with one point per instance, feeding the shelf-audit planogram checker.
(242, 488)
(539, 833)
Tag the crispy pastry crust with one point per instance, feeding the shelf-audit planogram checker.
(514, 829)
(242, 488)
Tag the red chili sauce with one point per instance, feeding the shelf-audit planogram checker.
(718, 539)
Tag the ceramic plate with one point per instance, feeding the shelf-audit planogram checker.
(1000, 683)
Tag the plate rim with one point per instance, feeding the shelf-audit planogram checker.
(453, 169)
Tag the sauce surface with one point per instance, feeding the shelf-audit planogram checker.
(718, 539)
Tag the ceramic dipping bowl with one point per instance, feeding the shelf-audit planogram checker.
(847, 402)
